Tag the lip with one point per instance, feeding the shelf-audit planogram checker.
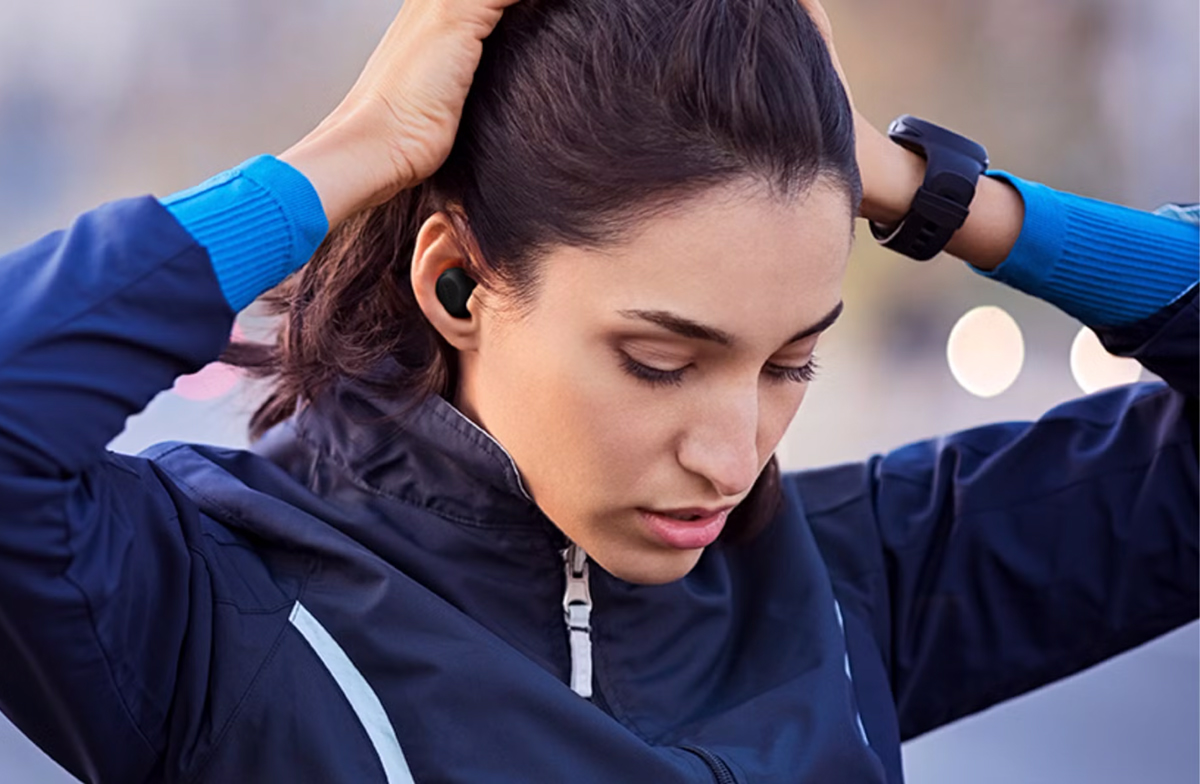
(686, 534)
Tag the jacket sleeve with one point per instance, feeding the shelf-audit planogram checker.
(995, 560)
(95, 567)
(102, 574)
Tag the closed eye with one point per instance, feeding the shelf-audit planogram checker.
(659, 377)
(799, 375)
(651, 375)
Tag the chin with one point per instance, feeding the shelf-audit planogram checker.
(651, 568)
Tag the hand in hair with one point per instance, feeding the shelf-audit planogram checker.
(397, 124)
(891, 175)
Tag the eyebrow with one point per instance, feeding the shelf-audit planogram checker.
(696, 331)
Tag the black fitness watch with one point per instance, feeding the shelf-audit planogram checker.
(952, 169)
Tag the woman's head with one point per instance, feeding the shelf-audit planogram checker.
(656, 197)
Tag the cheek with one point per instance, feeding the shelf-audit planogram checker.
(580, 440)
(777, 410)
(615, 435)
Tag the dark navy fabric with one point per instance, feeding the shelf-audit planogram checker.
(146, 602)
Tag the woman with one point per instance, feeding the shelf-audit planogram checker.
(520, 521)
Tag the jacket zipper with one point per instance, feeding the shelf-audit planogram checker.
(577, 611)
(720, 770)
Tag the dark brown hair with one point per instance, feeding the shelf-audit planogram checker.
(585, 117)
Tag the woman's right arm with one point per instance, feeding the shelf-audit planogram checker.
(94, 557)
(97, 568)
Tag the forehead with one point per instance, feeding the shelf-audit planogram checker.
(737, 257)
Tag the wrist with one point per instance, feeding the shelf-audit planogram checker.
(992, 227)
(347, 163)
(890, 174)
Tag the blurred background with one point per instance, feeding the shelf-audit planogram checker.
(1099, 97)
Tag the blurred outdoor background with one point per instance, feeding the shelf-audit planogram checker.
(1099, 97)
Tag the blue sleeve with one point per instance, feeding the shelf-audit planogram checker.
(259, 221)
(100, 586)
(998, 559)
(1104, 264)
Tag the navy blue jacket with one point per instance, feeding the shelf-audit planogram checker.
(363, 600)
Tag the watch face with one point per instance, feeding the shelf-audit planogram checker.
(917, 135)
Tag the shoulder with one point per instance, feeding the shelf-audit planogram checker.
(238, 509)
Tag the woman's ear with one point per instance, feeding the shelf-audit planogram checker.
(437, 250)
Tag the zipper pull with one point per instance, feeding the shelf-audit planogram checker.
(577, 611)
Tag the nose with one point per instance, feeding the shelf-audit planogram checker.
(722, 445)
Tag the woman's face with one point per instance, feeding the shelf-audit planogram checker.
(655, 379)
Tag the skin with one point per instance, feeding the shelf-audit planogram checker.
(593, 442)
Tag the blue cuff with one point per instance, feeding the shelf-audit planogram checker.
(1104, 264)
(259, 222)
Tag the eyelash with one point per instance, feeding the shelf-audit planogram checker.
(655, 377)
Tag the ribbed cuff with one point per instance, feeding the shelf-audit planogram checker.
(1104, 264)
(259, 222)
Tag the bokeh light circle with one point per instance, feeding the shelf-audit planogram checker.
(986, 351)
(1095, 369)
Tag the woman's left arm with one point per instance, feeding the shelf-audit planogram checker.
(998, 559)
(1013, 555)
(995, 560)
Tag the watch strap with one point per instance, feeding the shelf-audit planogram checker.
(940, 206)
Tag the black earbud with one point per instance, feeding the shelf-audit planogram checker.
(454, 288)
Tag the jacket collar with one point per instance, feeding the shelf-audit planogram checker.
(426, 453)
